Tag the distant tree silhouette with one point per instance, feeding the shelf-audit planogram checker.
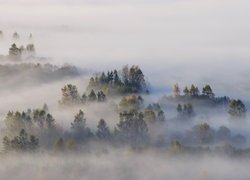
(237, 109)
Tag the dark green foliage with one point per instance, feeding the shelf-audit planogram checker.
(185, 111)
(207, 91)
(43, 119)
(131, 80)
(194, 91)
(101, 97)
(186, 91)
(154, 114)
(237, 109)
(132, 102)
(79, 121)
(29, 120)
(80, 130)
(70, 95)
(92, 96)
(21, 143)
(201, 134)
(132, 128)
(103, 131)
(49, 121)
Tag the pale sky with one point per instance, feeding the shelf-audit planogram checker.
(191, 39)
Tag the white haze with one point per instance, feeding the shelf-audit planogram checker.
(189, 41)
(123, 165)
(184, 41)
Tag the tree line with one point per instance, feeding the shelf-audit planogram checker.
(126, 81)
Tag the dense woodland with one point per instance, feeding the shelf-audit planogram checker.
(140, 122)
(126, 81)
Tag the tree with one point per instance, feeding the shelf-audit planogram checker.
(237, 109)
(149, 116)
(39, 117)
(131, 81)
(22, 142)
(125, 74)
(45, 108)
(131, 103)
(185, 111)
(136, 79)
(70, 95)
(92, 96)
(30, 48)
(84, 98)
(132, 128)
(103, 78)
(202, 133)
(179, 108)
(189, 109)
(103, 132)
(15, 36)
(194, 91)
(117, 80)
(92, 82)
(79, 126)
(207, 91)
(79, 121)
(186, 91)
(22, 50)
(14, 122)
(176, 90)
(161, 116)
(101, 97)
(50, 121)
(14, 52)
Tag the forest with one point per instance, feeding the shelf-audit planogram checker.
(124, 90)
(140, 124)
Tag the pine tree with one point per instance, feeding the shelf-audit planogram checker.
(237, 109)
(207, 91)
(176, 90)
(132, 128)
(92, 96)
(186, 91)
(70, 95)
(14, 52)
(103, 130)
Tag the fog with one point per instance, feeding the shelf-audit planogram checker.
(174, 41)
(123, 165)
